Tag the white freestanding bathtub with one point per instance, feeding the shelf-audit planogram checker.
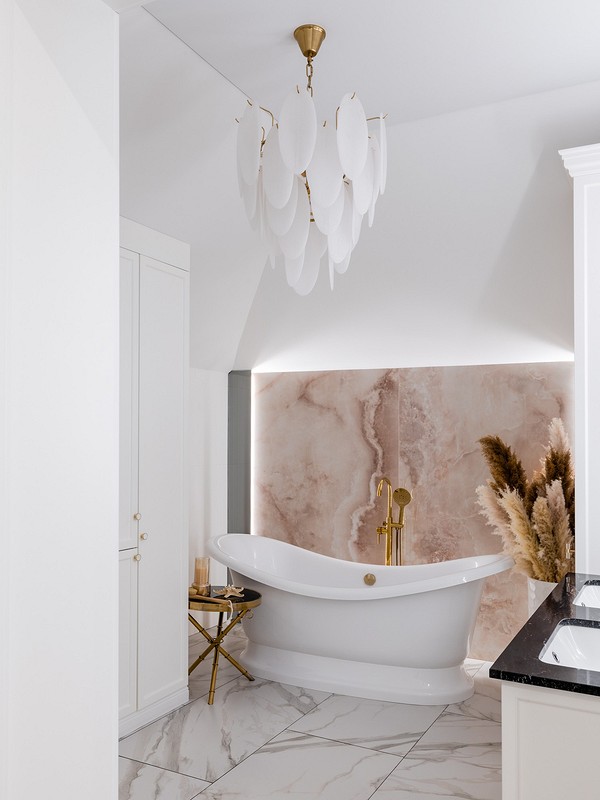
(320, 626)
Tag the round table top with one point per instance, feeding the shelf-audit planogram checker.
(249, 599)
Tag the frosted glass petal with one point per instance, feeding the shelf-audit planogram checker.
(340, 240)
(249, 137)
(249, 196)
(277, 178)
(293, 242)
(362, 186)
(315, 247)
(325, 172)
(352, 136)
(374, 145)
(241, 182)
(383, 154)
(280, 219)
(261, 217)
(293, 269)
(297, 130)
(328, 218)
(343, 265)
(256, 220)
(357, 219)
(276, 258)
(331, 273)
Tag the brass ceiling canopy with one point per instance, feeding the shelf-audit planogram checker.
(310, 39)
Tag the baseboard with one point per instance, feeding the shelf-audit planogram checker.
(137, 720)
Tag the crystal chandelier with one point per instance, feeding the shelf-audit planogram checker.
(306, 187)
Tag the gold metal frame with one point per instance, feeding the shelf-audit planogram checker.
(240, 608)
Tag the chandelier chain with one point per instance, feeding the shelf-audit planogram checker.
(309, 74)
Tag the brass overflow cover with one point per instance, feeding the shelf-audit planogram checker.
(369, 579)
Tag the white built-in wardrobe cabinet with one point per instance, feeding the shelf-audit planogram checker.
(153, 517)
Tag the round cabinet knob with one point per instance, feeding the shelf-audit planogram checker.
(137, 516)
(143, 536)
(137, 557)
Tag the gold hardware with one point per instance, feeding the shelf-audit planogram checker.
(391, 529)
(137, 515)
(137, 557)
(309, 38)
(369, 579)
(240, 608)
(143, 536)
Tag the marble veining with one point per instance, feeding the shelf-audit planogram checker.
(296, 765)
(139, 781)
(206, 741)
(323, 439)
(388, 727)
(267, 740)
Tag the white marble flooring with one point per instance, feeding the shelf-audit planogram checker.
(263, 739)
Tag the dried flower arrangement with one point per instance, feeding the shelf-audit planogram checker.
(535, 519)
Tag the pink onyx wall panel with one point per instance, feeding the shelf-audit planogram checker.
(322, 441)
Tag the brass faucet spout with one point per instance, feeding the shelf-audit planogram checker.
(390, 494)
(391, 529)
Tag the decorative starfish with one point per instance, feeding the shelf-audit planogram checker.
(230, 591)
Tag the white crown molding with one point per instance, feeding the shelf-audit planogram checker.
(581, 160)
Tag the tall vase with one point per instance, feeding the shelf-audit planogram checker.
(537, 592)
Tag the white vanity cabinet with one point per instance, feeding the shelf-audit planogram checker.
(549, 743)
(154, 369)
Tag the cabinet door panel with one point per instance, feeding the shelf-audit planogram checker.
(163, 389)
(128, 399)
(128, 572)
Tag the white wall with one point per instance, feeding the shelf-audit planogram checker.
(178, 175)
(58, 711)
(208, 466)
(469, 259)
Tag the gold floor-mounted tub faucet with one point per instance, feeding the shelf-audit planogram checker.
(391, 529)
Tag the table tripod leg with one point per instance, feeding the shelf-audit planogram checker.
(213, 677)
(236, 664)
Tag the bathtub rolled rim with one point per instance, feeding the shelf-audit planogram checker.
(468, 569)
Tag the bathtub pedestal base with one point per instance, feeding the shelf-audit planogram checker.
(358, 678)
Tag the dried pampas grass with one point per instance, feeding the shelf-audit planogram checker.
(535, 519)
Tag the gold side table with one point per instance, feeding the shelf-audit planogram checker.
(239, 606)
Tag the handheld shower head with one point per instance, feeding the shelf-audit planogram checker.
(402, 497)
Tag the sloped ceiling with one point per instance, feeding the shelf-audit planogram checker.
(410, 59)
(187, 66)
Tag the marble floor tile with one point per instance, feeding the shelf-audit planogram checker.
(207, 741)
(142, 782)
(486, 701)
(445, 778)
(307, 767)
(376, 724)
(459, 756)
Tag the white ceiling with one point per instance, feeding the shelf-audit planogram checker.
(410, 58)
(487, 178)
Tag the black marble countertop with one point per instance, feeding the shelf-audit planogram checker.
(520, 663)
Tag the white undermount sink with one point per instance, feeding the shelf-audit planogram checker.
(588, 595)
(573, 644)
